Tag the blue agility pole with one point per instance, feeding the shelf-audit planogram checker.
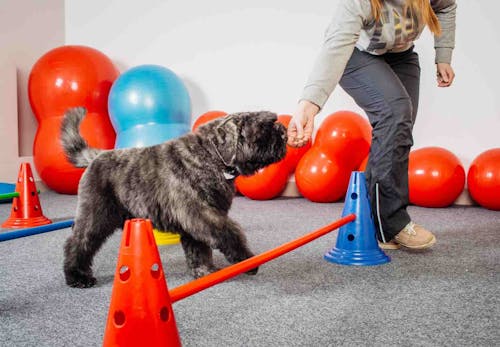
(15, 234)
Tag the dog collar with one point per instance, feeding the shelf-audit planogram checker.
(231, 171)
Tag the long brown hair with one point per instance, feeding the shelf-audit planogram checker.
(420, 8)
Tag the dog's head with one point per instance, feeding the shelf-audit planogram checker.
(247, 141)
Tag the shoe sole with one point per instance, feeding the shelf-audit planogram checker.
(426, 245)
(389, 245)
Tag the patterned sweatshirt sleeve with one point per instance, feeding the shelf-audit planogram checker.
(340, 38)
(446, 12)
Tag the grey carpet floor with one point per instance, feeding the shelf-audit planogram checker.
(446, 296)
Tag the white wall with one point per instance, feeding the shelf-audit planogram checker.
(9, 140)
(251, 55)
(28, 29)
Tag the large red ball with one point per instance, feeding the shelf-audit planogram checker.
(483, 179)
(207, 117)
(265, 184)
(345, 135)
(293, 154)
(364, 163)
(70, 76)
(435, 177)
(65, 77)
(48, 156)
(320, 178)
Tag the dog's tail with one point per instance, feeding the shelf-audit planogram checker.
(74, 145)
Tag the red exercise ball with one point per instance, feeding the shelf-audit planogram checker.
(435, 177)
(66, 77)
(48, 156)
(483, 179)
(362, 166)
(345, 135)
(265, 184)
(293, 154)
(320, 178)
(207, 117)
(70, 76)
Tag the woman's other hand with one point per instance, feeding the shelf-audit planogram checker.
(445, 74)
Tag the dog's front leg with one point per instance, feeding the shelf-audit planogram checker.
(198, 256)
(231, 241)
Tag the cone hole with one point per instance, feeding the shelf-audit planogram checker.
(14, 207)
(35, 207)
(119, 318)
(32, 193)
(350, 237)
(164, 314)
(20, 179)
(31, 179)
(124, 273)
(354, 196)
(155, 271)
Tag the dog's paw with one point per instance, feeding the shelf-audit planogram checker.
(80, 280)
(253, 271)
(200, 272)
(203, 270)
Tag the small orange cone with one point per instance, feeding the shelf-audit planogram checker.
(26, 209)
(140, 312)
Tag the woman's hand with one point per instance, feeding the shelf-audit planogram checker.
(301, 125)
(445, 74)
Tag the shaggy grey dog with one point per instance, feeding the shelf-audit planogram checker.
(183, 185)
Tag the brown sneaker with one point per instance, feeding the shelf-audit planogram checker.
(415, 236)
(388, 245)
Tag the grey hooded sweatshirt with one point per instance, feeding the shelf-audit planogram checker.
(353, 25)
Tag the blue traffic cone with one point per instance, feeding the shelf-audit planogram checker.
(357, 242)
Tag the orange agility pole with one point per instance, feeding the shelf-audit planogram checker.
(205, 282)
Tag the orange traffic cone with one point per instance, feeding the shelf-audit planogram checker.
(26, 209)
(140, 312)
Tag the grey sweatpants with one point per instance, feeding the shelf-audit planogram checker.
(386, 87)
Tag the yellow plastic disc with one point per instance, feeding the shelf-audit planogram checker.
(166, 238)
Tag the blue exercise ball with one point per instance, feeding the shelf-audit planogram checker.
(147, 105)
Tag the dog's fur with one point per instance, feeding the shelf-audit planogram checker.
(183, 185)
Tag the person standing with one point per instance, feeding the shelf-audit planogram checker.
(369, 51)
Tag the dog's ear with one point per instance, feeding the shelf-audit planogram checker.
(227, 130)
(227, 137)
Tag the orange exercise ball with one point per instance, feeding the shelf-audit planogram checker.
(483, 179)
(435, 177)
(65, 77)
(345, 135)
(71, 76)
(207, 117)
(293, 154)
(266, 183)
(362, 166)
(320, 178)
